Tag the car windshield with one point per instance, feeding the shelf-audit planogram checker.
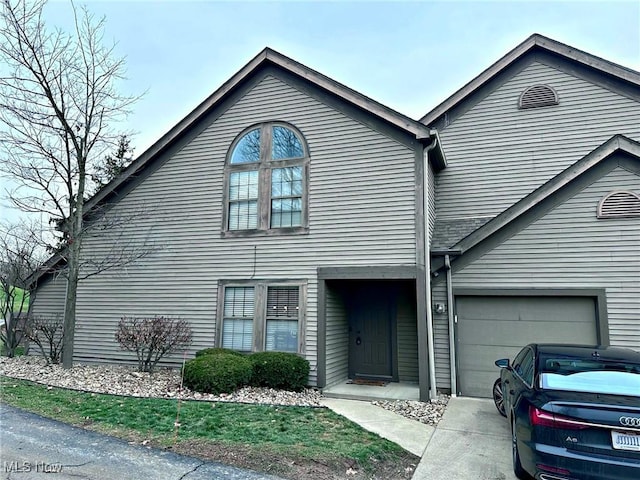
(578, 375)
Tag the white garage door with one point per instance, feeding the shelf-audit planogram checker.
(489, 328)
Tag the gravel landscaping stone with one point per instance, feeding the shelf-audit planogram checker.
(429, 413)
(165, 383)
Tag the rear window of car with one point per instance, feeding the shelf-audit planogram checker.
(586, 375)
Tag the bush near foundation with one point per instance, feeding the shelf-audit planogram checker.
(218, 373)
(152, 338)
(281, 370)
(217, 351)
(46, 332)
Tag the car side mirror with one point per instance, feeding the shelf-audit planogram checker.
(503, 363)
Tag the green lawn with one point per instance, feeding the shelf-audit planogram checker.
(20, 295)
(296, 433)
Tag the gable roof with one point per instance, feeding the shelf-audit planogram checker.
(535, 42)
(617, 143)
(266, 57)
(271, 57)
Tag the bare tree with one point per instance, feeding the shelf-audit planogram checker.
(20, 254)
(58, 107)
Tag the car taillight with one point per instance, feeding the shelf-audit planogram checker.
(541, 418)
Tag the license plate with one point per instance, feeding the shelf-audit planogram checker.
(625, 441)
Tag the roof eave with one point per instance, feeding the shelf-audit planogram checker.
(415, 128)
(420, 131)
(399, 120)
(181, 127)
(476, 82)
(615, 143)
(535, 40)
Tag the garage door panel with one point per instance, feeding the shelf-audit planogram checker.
(489, 328)
(474, 358)
(476, 383)
(505, 333)
(527, 308)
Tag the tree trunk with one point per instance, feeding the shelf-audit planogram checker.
(73, 272)
(68, 331)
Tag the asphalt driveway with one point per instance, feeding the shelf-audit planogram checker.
(471, 442)
(33, 447)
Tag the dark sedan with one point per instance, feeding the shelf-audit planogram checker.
(574, 411)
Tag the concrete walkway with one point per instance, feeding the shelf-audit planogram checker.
(411, 435)
(471, 442)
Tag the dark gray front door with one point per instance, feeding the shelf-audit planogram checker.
(370, 324)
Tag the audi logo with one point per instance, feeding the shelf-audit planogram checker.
(630, 421)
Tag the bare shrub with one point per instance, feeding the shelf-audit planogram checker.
(46, 333)
(152, 338)
(20, 254)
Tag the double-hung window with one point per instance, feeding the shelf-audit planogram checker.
(282, 319)
(266, 181)
(259, 316)
(239, 311)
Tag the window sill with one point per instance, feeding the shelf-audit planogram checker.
(264, 233)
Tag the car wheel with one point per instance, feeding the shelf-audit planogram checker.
(517, 466)
(498, 397)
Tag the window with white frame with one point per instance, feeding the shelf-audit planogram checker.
(261, 316)
(266, 178)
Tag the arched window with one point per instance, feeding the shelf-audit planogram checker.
(618, 204)
(266, 178)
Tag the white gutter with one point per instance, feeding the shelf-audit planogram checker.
(427, 269)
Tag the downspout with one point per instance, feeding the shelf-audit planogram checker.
(427, 269)
(452, 342)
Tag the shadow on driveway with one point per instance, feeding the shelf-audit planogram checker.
(33, 447)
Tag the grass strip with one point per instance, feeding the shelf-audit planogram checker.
(314, 433)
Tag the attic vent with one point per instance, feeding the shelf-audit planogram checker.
(619, 204)
(538, 96)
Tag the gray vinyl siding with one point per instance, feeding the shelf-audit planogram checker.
(407, 333)
(361, 202)
(591, 253)
(441, 335)
(49, 303)
(337, 338)
(497, 154)
(50, 297)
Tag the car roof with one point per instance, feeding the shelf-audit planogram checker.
(604, 352)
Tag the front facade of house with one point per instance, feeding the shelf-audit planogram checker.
(548, 267)
(290, 213)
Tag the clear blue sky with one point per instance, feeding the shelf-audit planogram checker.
(407, 55)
